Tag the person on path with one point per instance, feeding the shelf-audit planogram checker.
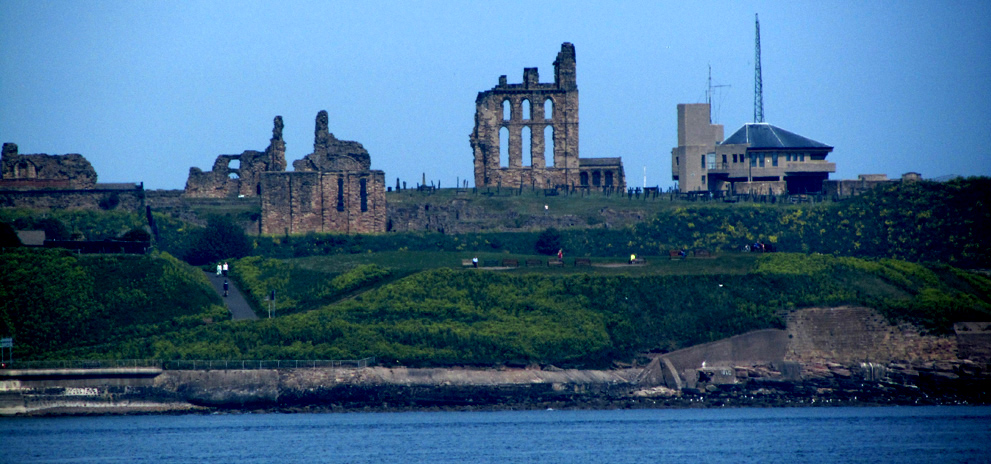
(474, 262)
(219, 269)
(560, 254)
(226, 287)
(633, 257)
(225, 268)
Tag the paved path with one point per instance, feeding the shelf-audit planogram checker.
(235, 302)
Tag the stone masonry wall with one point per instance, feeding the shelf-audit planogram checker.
(38, 171)
(856, 334)
(300, 202)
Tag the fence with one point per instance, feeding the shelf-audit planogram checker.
(194, 364)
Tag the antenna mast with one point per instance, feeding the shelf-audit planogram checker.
(758, 85)
(708, 93)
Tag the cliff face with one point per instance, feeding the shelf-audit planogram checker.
(825, 356)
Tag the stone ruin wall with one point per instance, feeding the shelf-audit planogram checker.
(40, 171)
(47, 182)
(224, 181)
(332, 189)
(563, 94)
(300, 202)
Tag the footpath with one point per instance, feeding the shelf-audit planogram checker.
(235, 302)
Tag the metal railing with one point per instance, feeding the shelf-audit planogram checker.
(206, 364)
(267, 364)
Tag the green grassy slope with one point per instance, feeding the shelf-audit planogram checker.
(581, 317)
(52, 300)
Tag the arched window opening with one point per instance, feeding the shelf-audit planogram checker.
(549, 146)
(504, 147)
(527, 141)
(234, 164)
(583, 179)
(526, 111)
(233, 176)
(608, 178)
(507, 110)
(596, 178)
(340, 194)
(364, 194)
(548, 109)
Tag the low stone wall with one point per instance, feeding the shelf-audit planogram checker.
(126, 199)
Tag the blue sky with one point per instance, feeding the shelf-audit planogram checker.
(147, 89)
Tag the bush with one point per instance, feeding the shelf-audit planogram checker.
(221, 239)
(548, 242)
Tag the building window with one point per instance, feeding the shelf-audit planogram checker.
(596, 178)
(711, 157)
(364, 195)
(608, 178)
(526, 111)
(676, 161)
(774, 159)
(724, 159)
(703, 181)
(548, 109)
(584, 179)
(703, 162)
(507, 110)
(753, 160)
(761, 160)
(340, 194)
(734, 157)
(801, 157)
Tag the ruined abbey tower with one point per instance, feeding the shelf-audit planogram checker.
(543, 120)
(332, 189)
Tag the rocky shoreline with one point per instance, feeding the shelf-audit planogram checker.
(380, 389)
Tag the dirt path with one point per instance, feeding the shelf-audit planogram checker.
(235, 302)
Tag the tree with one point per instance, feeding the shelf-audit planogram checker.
(549, 241)
(8, 236)
(221, 239)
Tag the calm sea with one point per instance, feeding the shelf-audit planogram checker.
(814, 435)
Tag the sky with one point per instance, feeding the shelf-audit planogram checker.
(147, 89)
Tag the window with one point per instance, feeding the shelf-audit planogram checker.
(527, 145)
(548, 145)
(711, 164)
(596, 178)
(703, 180)
(801, 157)
(507, 110)
(734, 157)
(583, 178)
(504, 147)
(340, 194)
(703, 162)
(753, 160)
(774, 159)
(527, 112)
(761, 160)
(608, 178)
(724, 159)
(548, 109)
(676, 161)
(364, 194)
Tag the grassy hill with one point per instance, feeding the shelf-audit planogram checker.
(586, 318)
(53, 300)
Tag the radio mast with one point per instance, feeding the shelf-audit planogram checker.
(758, 85)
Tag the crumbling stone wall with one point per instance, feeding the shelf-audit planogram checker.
(239, 175)
(332, 190)
(856, 334)
(515, 107)
(42, 171)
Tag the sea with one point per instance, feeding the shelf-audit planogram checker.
(940, 434)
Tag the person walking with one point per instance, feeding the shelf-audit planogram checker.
(560, 254)
(474, 262)
(226, 287)
(225, 268)
(219, 269)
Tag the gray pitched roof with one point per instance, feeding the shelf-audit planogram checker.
(763, 135)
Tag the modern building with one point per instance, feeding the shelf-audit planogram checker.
(759, 158)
